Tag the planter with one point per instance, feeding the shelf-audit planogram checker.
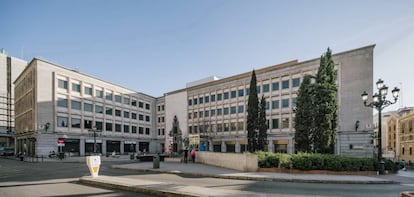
(326, 172)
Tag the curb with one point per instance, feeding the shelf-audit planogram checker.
(252, 178)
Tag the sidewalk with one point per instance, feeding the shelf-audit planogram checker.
(201, 170)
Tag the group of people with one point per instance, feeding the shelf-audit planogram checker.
(192, 154)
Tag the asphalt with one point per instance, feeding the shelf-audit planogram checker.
(161, 188)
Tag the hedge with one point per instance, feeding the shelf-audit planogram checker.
(308, 161)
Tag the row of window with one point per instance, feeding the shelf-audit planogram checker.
(239, 109)
(63, 84)
(240, 93)
(99, 125)
(99, 109)
(236, 126)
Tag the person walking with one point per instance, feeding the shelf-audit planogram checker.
(193, 155)
(185, 155)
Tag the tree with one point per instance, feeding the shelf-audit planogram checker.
(262, 126)
(304, 118)
(316, 110)
(252, 115)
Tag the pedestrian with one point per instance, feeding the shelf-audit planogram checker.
(185, 155)
(193, 155)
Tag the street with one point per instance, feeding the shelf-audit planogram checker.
(61, 179)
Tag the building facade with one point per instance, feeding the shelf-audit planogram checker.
(58, 109)
(406, 135)
(10, 69)
(215, 112)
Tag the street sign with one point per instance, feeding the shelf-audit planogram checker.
(61, 142)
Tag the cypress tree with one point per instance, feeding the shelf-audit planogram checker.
(262, 137)
(252, 115)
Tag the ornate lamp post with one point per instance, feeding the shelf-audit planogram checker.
(379, 102)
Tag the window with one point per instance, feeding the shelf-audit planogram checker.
(99, 93)
(134, 102)
(126, 114)
(275, 104)
(258, 89)
(87, 124)
(226, 111)
(108, 111)
(285, 84)
(134, 115)
(219, 111)
(108, 126)
(225, 95)
(118, 98)
(62, 102)
(126, 128)
(88, 107)
(76, 105)
(266, 88)
(147, 131)
(233, 94)
(147, 118)
(88, 90)
(206, 113)
(241, 93)
(233, 110)
(275, 123)
(147, 106)
(247, 91)
(213, 98)
(219, 97)
(126, 100)
(275, 86)
(295, 82)
(99, 126)
(267, 105)
(140, 104)
(294, 102)
(200, 100)
(134, 129)
(241, 109)
(63, 84)
(62, 121)
(285, 123)
(285, 103)
(212, 112)
(118, 112)
(190, 102)
(206, 99)
(76, 87)
(140, 117)
(195, 101)
(75, 123)
(108, 96)
(141, 130)
(118, 128)
(98, 109)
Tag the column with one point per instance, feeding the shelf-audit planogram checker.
(237, 147)
(223, 147)
(82, 146)
(121, 150)
(210, 146)
(104, 147)
(270, 146)
(290, 146)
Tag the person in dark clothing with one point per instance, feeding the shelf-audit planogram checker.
(185, 155)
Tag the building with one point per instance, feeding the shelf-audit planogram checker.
(10, 69)
(406, 135)
(58, 109)
(214, 112)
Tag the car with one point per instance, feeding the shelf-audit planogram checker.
(6, 151)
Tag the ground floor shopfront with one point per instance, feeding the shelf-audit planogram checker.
(44, 144)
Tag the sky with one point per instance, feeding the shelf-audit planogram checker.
(158, 46)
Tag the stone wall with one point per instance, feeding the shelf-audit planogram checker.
(242, 162)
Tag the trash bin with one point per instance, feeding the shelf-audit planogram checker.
(156, 162)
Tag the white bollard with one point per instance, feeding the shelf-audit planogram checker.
(93, 163)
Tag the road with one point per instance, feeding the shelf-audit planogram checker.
(53, 179)
(61, 179)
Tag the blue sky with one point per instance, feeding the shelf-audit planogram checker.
(158, 46)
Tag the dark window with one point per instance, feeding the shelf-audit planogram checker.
(275, 123)
(88, 90)
(117, 112)
(99, 126)
(87, 124)
(126, 114)
(295, 82)
(147, 131)
(76, 87)
(226, 95)
(134, 129)
(88, 107)
(98, 109)
(118, 128)
(134, 102)
(108, 126)
(140, 104)
(233, 110)
(285, 103)
(147, 118)
(190, 102)
(266, 88)
(126, 128)
(76, 105)
(275, 86)
(147, 106)
(118, 98)
(134, 116)
(275, 104)
(241, 93)
(108, 96)
(62, 121)
(76, 123)
(233, 94)
(219, 97)
(108, 111)
(241, 109)
(62, 102)
(285, 84)
(63, 84)
(206, 99)
(213, 98)
(99, 93)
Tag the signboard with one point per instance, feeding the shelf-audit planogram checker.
(194, 139)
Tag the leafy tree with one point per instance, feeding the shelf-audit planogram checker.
(304, 118)
(252, 115)
(262, 126)
(316, 112)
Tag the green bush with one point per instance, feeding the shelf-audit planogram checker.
(308, 161)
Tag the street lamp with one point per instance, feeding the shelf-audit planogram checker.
(94, 138)
(379, 102)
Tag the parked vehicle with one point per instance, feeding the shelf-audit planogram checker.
(6, 151)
